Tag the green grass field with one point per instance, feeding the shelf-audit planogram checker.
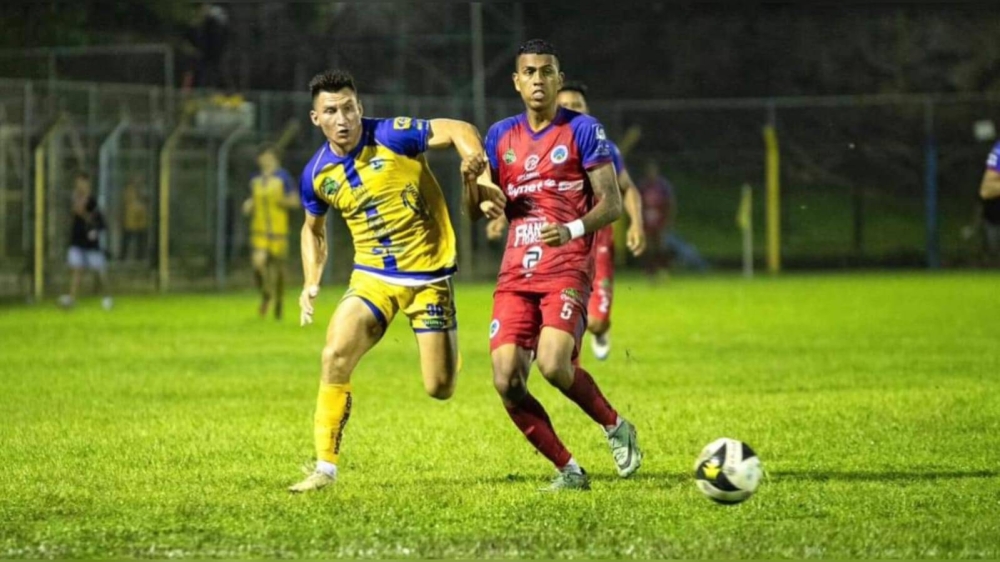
(170, 427)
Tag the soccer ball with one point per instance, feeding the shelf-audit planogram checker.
(727, 471)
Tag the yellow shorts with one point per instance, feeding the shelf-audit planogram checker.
(275, 246)
(430, 308)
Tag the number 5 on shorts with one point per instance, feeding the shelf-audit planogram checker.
(567, 311)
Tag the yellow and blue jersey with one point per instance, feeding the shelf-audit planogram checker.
(390, 199)
(270, 216)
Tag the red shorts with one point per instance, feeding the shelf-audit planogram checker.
(519, 316)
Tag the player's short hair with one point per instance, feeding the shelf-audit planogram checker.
(331, 81)
(535, 47)
(578, 87)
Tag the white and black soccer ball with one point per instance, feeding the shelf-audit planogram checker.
(727, 471)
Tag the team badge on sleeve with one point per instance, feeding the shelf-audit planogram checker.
(599, 133)
(330, 187)
(401, 123)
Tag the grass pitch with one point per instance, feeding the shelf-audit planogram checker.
(170, 427)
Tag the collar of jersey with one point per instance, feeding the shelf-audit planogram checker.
(558, 119)
(367, 134)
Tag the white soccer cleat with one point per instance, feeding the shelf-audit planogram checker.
(625, 448)
(601, 345)
(107, 303)
(314, 482)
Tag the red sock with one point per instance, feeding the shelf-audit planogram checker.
(588, 397)
(529, 416)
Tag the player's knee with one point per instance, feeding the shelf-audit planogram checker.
(509, 380)
(554, 367)
(440, 389)
(598, 326)
(336, 363)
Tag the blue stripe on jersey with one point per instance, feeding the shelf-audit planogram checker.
(389, 262)
(353, 178)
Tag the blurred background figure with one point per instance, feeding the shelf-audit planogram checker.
(135, 221)
(659, 211)
(987, 216)
(657, 215)
(208, 35)
(272, 194)
(85, 243)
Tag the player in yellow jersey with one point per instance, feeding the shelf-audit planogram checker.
(374, 173)
(272, 194)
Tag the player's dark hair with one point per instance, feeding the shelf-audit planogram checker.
(578, 87)
(535, 47)
(331, 81)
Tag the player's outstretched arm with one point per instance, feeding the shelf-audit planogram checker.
(990, 187)
(481, 197)
(636, 237)
(313, 259)
(606, 211)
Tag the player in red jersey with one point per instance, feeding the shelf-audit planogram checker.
(555, 167)
(573, 95)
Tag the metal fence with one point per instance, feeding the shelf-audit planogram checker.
(879, 181)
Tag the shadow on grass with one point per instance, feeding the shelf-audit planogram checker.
(880, 476)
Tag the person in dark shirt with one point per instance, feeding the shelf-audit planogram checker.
(85, 246)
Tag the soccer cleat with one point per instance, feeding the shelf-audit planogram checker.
(107, 303)
(568, 480)
(625, 448)
(601, 345)
(315, 481)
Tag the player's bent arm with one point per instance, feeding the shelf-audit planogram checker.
(609, 198)
(452, 132)
(631, 199)
(314, 250)
(990, 187)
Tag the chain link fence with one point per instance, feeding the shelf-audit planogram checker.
(867, 181)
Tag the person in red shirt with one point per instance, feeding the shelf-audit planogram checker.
(658, 209)
(555, 168)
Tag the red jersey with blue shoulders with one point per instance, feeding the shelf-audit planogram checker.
(544, 176)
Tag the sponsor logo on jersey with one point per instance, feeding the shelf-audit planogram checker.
(599, 133)
(378, 164)
(527, 233)
(992, 160)
(559, 154)
(330, 187)
(494, 327)
(509, 157)
(531, 163)
(529, 188)
(401, 123)
(576, 185)
(414, 201)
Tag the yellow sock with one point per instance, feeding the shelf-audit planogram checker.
(333, 409)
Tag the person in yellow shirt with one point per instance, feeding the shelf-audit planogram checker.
(374, 172)
(136, 221)
(272, 194)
